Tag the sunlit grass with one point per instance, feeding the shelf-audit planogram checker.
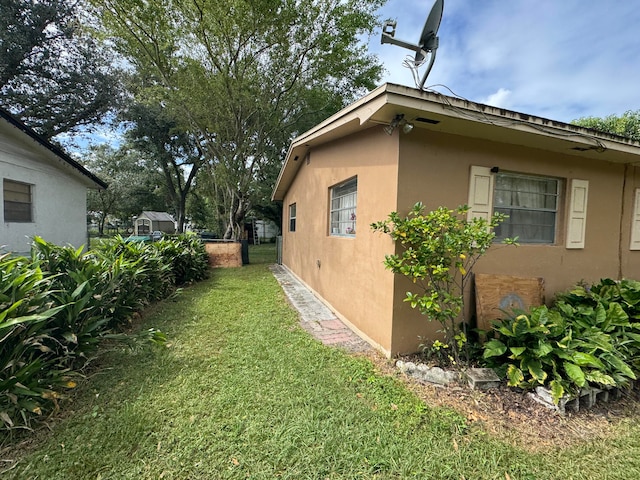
(243, 392)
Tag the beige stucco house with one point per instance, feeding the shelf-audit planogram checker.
(572, 194)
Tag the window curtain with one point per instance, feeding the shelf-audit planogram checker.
(343, 209)
(530, 204)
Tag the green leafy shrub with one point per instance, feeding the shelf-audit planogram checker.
(59, 305)
(589, 337)
(612, 307)
(187, 256)
(29, 375)
(440, 249)
(143, 274)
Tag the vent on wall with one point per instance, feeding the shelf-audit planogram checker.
(427, 120)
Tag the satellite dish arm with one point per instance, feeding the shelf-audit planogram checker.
(388, 36)
(428, 43)
(426, 74)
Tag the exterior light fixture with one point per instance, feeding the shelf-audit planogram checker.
(394, 124)
(398, 121)
(407, 127)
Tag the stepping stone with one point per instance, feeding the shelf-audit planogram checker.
(482, 378)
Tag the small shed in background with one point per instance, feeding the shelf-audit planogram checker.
(148, 222)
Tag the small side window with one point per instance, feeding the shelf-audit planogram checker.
(343, 208)
(17, 201)
(292, 217)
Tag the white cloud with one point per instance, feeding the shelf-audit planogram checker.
(498, 99)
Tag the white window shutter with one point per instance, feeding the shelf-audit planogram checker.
(480, 193)
(577, 221)
(635, 222)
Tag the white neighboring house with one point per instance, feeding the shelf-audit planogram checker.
(43, 190)
(267, 229)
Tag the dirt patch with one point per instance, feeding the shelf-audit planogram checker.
(511, 415)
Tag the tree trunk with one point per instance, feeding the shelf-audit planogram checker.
(101, 221)
(237, 213)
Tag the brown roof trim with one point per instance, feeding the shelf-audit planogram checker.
(51, 147)
(379, 106)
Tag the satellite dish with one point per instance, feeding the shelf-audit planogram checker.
(428, 43)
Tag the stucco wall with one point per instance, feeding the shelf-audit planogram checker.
(59, 200)
(434, 169)
(346, 272)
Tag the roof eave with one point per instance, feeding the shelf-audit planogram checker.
(94, 181)
(382, 104)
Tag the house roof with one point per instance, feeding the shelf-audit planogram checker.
(157, 216)
(440, 113)
(58, 153)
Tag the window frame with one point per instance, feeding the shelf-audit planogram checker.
(555, 211)
(9, 215)
(143, 224)
(292, 217)
(351, 218)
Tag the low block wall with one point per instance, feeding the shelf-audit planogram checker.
(224, 254)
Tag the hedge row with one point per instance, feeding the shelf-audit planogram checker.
(59, 304)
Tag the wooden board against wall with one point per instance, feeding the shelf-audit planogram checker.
(224, 254)
(498, 293)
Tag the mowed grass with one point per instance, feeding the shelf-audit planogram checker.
(243, 392)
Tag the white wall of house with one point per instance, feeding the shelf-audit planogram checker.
(58, 194)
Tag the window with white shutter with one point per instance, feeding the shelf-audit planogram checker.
(531, 205)
(480, 193)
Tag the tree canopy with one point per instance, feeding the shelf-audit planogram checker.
(53, 74)
(242, 77)
(172, 151)
(626, 125)
(134, 186)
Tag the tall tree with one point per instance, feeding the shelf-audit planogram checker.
(245, 75)
(53, 74)
(626, 125)
(174, 151)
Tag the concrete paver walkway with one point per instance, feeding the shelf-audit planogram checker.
(315, 317)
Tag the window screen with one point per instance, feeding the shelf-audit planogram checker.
(343, 208)
(531, 204)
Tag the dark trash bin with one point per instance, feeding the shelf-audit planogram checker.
(245, 251)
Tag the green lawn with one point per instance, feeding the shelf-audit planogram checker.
(243, 392)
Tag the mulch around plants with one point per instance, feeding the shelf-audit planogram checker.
(512, 415)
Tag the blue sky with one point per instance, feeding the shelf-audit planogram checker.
(559, 59)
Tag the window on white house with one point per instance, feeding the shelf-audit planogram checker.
(343, 208)
(292, 217)
(531, 204)
(17, 201)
